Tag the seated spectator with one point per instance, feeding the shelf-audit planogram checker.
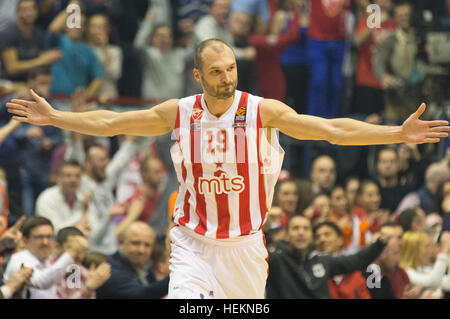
(131, 273)
(63, 204)
(391, 281)
(23, 44)
(110, 56)
(146, 204)
(38, 235)
(416, 259)
(412, 219)
(329, 239)
(426, 195)
(163, 64)
(89, 280)
(79, 66)
(369, 97)
(323, 174)
(387, 175)
(297, 271)
(398, 67)
(37, 146)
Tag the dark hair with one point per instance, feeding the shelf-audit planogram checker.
(64, 234)
(34, 222)
(159, 252)
(69, 163)
(94, 258)
(203, 45)
(21, 1)
(330, 224)
(406, 218)
(295, 216)
(39, 70)
(439, 197)
(157, 27)
(382, 149)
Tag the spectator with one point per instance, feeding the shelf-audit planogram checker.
(63, 204)
(329, 239)
(16, 283)
(411, 165)
(369, 96)
(326, 48)
(131, 274)
(271, 80)
(319, 209)
(351, 187)
(286, 197)
(215, 23)
(90, 279)
(296, 271)
(368, 211)
(100, 178)
(49, 9)
(425, 196)
(23, 44)
(293, 60)
(323, 174)
(147, 204)
(442, 199)
(393, 282)
(79, 66)
(255, 8)
(37, 146)
(9, 238)
(412, 219)
(163, 64)
(38, 235)
(160, 258)
(110, 56)
(416, 260)
(398, 68)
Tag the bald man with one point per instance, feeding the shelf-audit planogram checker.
(323, 174)
(227, 158)
(131, 274)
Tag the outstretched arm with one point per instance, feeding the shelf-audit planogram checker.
(346, 131)
(157, 120)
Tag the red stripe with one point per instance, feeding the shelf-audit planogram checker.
(186, 207)
(197, 168)
(223, 213)
(261, 187)
(240, 141)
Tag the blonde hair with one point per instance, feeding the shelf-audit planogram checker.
(412, 242)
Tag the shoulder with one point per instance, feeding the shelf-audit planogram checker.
(49, 193)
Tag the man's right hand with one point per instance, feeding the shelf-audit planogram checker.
(19, 279)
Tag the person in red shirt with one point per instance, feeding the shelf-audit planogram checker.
(329, 239)
(326, 48)
(368, 92)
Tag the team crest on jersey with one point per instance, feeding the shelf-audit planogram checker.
(197, 114)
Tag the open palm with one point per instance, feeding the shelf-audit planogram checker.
(35, 112)
(416, 131)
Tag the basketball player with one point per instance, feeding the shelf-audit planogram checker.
(227, 160)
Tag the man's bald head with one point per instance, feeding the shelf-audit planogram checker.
(137, 243)
(216, 45)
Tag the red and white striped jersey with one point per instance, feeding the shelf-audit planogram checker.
(226, 167)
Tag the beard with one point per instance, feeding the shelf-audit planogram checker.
(220, 92)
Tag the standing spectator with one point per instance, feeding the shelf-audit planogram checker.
(326, 48)
(131, 273)
(163, 64)
(148, 203)
(79, 66)
(416, 256)
(22, 45)
(90, 280)
(398, 67)
(329, 239)
(110, 56)
(297, 271)
(39, 236)
(387, 170)
(369, 96)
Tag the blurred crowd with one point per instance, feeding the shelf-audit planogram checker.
(102, 206)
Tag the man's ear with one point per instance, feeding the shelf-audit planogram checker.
(197, 75)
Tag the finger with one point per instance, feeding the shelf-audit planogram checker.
(18, 112)
(19, 223)
(92, 267)
(440, 129)
(432, 140)
(437, 123)
(15, 106)
(23, 103)
(440, 135)
(420, 110)
(36, 97)
(20, 119)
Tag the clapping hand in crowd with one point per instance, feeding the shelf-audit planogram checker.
(98, 276)
(19, 279)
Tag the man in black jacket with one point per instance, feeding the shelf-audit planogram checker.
(297, 271)
(131, 274)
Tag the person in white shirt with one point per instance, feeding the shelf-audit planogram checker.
(39, 240)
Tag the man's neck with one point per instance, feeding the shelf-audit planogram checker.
(390, 181)
(218, 107)
(25, 29)
(68, 197)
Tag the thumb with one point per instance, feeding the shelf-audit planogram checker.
(92, 267)
(35, 96)
(420, 110)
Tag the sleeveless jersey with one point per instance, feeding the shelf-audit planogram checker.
(226, 167)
